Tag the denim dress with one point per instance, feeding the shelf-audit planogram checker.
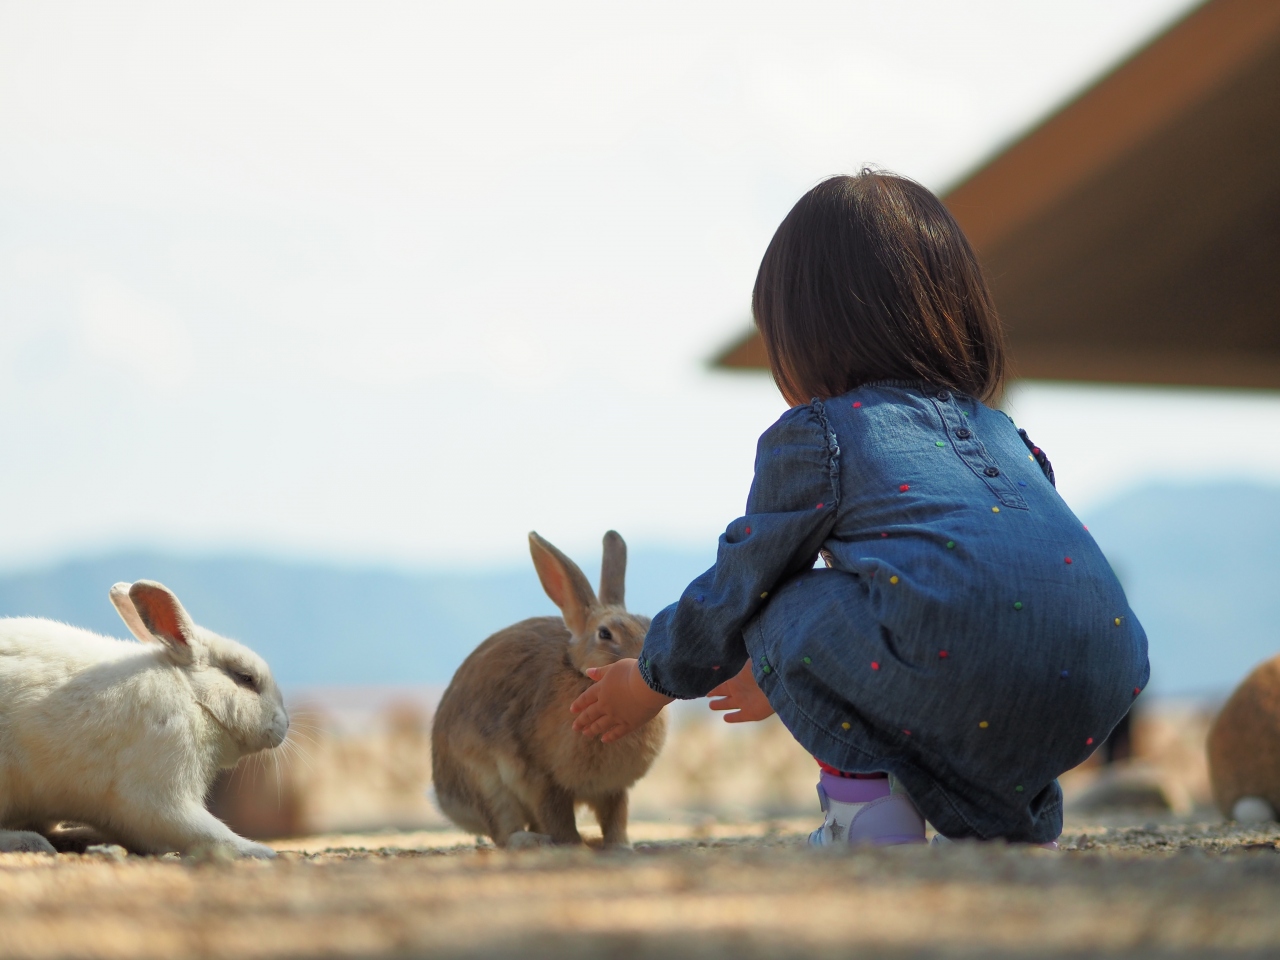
(966, 634)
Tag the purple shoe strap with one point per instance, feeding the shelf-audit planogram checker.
(850, 790)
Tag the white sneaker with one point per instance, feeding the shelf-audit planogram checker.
(886, 821)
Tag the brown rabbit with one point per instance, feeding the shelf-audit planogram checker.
(1244, 748)
(505, 756)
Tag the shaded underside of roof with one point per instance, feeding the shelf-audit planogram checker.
(1134, 236)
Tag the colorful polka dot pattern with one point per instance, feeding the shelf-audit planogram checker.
(943, 654)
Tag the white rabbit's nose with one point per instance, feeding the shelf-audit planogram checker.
(279, 728)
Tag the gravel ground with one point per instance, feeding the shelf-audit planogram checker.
(1117, 889)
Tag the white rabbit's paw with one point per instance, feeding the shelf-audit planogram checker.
(525, 840)
(259, 851)
(225, 851)
(24, 841)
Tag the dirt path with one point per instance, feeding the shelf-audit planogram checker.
(1172, 890)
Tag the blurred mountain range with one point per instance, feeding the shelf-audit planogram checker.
(324, 625)
(1201, 565)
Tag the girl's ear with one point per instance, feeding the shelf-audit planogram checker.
(613, 570)
(163, 616)
(129, 613)
(564, 583)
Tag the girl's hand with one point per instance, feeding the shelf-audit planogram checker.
(617, 703)
(742, 695)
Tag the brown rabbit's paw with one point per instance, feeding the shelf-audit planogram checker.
(24, 841)
(526, 840)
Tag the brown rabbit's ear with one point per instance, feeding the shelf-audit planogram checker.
(164, 617)
(613, 570)
(564, 583)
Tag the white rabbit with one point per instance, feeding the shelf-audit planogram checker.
(127, 738)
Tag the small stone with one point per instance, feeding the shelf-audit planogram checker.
(893, 579)
(766, 669)
(1066, 559)
(951, 544)
(1018, 788)
(819, 506)
(875, 665)
(939, 443)
(983, 724)
(1089, 742)
(1065, 674)
(763, 595)
(807, 660)
(995, 509)
(1017, 604)
(111, 851)
(903, 488)
(942, 654)
(846, 725)
(1252, 810)
(857, 404)
(1117, 621)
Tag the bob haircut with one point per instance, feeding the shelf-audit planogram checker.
(870, 278)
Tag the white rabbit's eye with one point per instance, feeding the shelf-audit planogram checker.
(604, 634)
(243, 679)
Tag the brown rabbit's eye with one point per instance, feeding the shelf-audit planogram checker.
(604, 634)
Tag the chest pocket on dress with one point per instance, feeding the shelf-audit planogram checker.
(974, 454)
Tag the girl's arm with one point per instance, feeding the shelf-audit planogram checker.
(696, 644)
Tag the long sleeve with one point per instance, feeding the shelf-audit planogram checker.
(696, 643)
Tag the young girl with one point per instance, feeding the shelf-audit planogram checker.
(966, 641)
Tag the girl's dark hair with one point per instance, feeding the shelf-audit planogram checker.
(870, 278)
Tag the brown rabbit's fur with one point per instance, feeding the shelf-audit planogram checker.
(505, 756)
(1244, 741)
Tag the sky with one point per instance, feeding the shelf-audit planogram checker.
(398, 283)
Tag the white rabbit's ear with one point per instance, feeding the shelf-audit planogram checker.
(564, 583)
(613, 570)
(129, 613)
(163, 616)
